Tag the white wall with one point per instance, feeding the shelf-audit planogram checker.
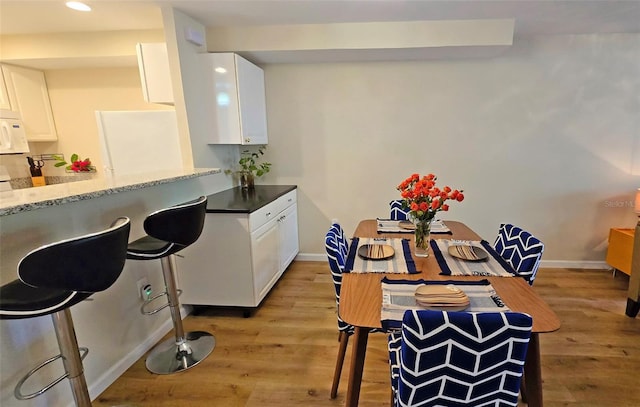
(546, 136)
(194, 103)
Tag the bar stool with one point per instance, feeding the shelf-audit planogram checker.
(169, 231)
(54, 277)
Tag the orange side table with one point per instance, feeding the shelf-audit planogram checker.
(620, 249)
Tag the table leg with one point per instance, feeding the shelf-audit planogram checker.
(360, 337)
(533, 373)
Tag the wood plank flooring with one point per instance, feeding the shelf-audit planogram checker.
(284, 354)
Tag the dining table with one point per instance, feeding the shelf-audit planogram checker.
(361, 303)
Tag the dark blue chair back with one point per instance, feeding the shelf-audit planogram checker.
(459, 359)
(520, 249)
(397, 211)
(337, 247)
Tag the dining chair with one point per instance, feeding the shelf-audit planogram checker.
(337, 247)
(520, 249)
(456, 359)
(398, 212)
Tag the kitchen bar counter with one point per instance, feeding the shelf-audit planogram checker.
(111, 323)
(28, 199)
(239, 200)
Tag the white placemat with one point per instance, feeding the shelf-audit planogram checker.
(398, 297)
(401, 262)
(493, 266)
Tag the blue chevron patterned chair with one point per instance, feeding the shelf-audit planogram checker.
(397, 211)
(520, 249)
(458, 359)
(337, 247)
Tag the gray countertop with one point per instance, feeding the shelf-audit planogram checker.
(28, 199)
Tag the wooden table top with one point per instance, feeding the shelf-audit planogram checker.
(361, 293)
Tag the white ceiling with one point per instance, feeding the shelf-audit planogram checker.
(531, 17)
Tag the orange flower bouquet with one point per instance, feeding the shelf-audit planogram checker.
(424, 199)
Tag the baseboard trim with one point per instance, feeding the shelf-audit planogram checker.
(109, 377)
(311, 257)
(551, 264)
(571, 264)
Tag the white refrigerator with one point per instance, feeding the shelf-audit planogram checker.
(136, 142)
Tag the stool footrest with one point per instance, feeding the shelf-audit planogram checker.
(17, 391)
(152, 299)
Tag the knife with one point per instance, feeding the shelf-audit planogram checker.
(35, 172)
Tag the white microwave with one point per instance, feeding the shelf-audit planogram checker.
(13, 138)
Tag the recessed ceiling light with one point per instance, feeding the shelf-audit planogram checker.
(76, 5)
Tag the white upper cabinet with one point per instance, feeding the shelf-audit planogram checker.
(238, 98)
(4, 96)
(155, 77)
(27, 94)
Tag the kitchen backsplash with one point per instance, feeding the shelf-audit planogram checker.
(18, 169)
(16, 165)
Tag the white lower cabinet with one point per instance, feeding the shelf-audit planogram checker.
(264, 258)
(288, 231)
(240, 256)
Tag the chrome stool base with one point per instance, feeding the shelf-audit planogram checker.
(170, 357)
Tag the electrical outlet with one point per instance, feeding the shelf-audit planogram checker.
(144, 288)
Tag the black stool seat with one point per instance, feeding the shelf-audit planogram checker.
(54, 277)
(19, 300)
(149, 248)
(168, 231)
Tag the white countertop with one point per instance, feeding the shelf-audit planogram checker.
(28, 199)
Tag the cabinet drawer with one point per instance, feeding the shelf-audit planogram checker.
(263, 215)
(286, 200)
(270, 211)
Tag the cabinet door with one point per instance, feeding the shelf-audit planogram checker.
(265, 258)
(28, 94)
(251, 98)
(155, 77)
(222, 97)
(288, 234)
(4, 96)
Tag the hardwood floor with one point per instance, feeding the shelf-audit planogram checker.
(284, 354)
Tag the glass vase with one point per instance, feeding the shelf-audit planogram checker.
(246, 180)
(422, 237)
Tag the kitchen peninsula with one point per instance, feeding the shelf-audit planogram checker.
(28, 199)
(111, 324)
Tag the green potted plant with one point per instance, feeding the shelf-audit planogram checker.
(250, 168)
